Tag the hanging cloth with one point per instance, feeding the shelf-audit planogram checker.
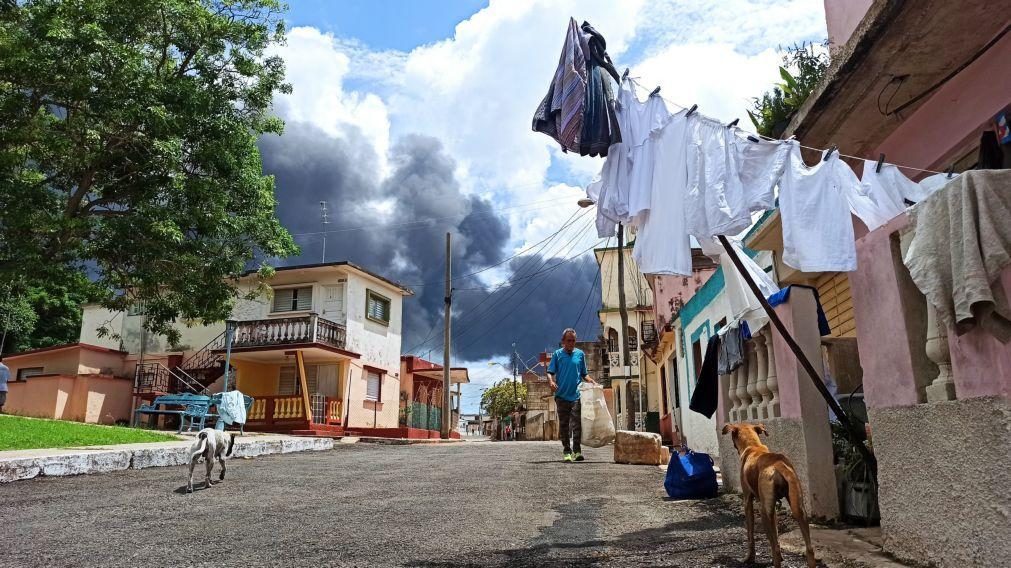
(560, 114)
(662, 245)
(783, 296)
(758, 165)
(715, 203)
(961, 244)
(817, 229)
(706, 396)
(889, 189)
(600, 124)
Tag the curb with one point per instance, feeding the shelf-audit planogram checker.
(404, 441)
(84, 461)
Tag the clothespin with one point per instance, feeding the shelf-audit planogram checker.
(655, 91)
(691, 110)
(881, 160)
(625, 74)
(829, 153)
(951, 171)
(753, 138)
(733, 123)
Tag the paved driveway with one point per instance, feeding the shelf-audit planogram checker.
(467, 504)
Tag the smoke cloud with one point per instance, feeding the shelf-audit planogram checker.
(396, 227)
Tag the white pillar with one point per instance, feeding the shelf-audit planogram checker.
(762, 386)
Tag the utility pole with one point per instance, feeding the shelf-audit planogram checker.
(446, 415)
(626, 365)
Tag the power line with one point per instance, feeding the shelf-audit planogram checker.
(489, 267)
(577, 214)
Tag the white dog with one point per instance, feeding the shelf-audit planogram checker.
(211, 444)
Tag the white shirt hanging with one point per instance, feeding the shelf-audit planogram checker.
(817, 228)
(929, 185)
(662, 245)
(759, 165)
(715, 203)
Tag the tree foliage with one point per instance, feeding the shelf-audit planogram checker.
(16, 315)
(500, 400)
(803, 67)
(128, 150)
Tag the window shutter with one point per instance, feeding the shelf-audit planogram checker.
(304, 298)
(374, 386)
(282, 299)
(286, 385)
(312, 378)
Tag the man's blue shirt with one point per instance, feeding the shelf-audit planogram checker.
(569, 370)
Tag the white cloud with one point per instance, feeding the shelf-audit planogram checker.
(316, 69)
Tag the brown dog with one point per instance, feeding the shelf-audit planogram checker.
(771, 477)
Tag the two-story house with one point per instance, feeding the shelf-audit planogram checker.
(320, 352)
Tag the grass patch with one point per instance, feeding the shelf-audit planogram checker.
(18, 433)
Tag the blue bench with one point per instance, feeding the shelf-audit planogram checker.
(195, 407)
(246, 399)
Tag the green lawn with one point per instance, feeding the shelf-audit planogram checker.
(17, 433)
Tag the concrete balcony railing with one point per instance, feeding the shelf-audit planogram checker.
(289, 331)
(753, 388)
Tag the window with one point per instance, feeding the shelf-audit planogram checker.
(293, 299)
(377, 308)
(697, 358)
(29, 372)
(334, 295)
(289, 383)
(374, 385)
(135, 309)
(612, 341)
(633, 342)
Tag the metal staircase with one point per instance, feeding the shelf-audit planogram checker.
(205, 366)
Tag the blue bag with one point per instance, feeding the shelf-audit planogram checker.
(691, 476)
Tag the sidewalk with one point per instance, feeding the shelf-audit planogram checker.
(58, 462)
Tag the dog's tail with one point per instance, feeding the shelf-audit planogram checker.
(200, 447)
(231, 443)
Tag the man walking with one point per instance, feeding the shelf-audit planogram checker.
(565, 371)
(5, 375)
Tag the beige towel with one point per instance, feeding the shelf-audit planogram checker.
(961, 243)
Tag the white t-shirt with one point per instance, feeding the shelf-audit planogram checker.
(887, 189)
(817, 227)
(662, 245)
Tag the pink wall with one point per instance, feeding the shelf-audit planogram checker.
(980, 363)
(670, 293)
(82, 398)
(842, 17)
(883, 337)
(955, 114)
(62, 362)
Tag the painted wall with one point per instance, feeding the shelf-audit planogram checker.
(372, 414)
(256, 379)
(672, 292)
(378, 344)
(93, 399)
(93, 317)
(637, 291)
(101, 363)
(62, 362)
(698, 431)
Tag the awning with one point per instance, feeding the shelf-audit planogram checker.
(457, 375)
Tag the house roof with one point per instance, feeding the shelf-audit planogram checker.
(343, 263)
(54, 348)
(430, 370)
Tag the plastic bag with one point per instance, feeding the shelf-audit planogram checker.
(691, 476)
(596, 423)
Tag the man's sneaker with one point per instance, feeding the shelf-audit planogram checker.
(567, 457)
(578, 457)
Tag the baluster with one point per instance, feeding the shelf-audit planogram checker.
(742, 392)
(943, 386)
(763, 370)
(771, 380)
(735, 401)
(749, 356)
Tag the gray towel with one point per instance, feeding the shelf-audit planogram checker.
(961, 243)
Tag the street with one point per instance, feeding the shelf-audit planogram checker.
(466, 504)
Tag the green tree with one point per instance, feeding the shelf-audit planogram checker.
(803, 67)
(500, 399)
(16, 315)
(128, 150)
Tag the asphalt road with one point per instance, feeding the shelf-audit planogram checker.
(467, 504)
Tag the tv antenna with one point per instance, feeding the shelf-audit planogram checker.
(325, 222)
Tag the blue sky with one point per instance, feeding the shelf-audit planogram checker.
(469, 75)
(387, 24)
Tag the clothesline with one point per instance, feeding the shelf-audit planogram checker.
(771, 139)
